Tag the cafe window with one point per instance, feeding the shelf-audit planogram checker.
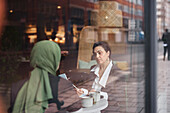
(134, 65)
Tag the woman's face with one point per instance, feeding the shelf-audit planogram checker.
(101, 55)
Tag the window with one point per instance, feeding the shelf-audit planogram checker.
(120, 6)
(158, 13)
(158, 6)
(126, 9)
(139, 2)
(77, 29)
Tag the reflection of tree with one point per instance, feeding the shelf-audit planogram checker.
(12, 39)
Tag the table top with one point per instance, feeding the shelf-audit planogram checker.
(100, 105)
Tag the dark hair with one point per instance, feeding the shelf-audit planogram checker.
(102, 44)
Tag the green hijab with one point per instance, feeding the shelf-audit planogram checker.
(34, 95)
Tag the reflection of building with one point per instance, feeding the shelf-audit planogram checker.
(131, 14)
(132, 9)
(75, 15)
(42, 17)
(132, 17)
(163, 16)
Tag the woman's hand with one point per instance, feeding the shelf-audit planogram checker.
(92, 90)
(79, 91)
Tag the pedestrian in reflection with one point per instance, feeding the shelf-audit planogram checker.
(168, 42)
(41, 89)
(165, 45)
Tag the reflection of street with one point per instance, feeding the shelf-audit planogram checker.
(124, 94)
(136, 51)
(127, 94)
(163, 86)
(137, 56)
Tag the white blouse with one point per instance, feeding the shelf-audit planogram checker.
(98, 84)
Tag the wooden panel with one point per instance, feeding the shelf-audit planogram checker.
(88, 36)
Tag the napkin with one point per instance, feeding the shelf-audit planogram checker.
(63, 76)
(85, 92)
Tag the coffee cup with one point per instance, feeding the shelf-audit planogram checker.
(95, 95)
(87, 101)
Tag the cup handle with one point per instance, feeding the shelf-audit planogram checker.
(104, 94)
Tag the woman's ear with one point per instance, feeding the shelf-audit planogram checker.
(108, 53)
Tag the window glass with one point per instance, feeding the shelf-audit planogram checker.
(117, 73)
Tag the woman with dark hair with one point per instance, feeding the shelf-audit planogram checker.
(102, 54)
(105, 70)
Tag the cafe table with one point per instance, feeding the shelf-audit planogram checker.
(96, 108)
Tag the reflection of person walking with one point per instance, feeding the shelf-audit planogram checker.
(168, 42)
(164, 39)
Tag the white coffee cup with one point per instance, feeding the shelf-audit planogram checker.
(87, 101)
(96, 96)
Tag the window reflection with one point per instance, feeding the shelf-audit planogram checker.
(76, 25)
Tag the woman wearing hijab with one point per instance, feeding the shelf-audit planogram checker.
(42, 86)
